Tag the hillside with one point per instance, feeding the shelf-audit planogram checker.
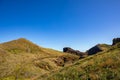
(23, 60)
(101, 66)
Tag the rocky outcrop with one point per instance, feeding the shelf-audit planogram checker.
(72, 51)
(98, 48)
(116, 40)
(94, 50)
(69, 50)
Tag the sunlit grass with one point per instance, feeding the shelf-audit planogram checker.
(102, 66)
(23, 60)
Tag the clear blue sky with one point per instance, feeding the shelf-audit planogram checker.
(79, 24)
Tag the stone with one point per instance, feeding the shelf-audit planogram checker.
(116, 40)
(72, 51)
(94, 50)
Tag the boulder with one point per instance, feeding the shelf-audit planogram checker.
(116, 40)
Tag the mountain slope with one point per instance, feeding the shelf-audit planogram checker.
(21, 59)
(20, 45)
(101, 66)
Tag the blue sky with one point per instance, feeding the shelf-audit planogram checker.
(79, 24)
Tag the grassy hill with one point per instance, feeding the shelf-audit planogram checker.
(101, 66)
(23, 60)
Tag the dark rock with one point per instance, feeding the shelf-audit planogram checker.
(68, 50)
(94, 50)
(72, 51)
(116, 40)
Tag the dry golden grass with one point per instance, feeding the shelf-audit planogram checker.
(102, 66)
(23, 60)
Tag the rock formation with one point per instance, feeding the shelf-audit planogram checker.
(98, 48)
(72, 51)
(94, 50)
(116, 40)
